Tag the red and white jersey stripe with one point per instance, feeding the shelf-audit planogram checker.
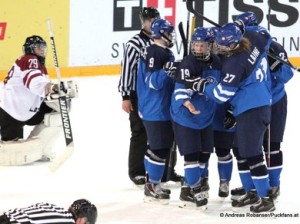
(24, 88)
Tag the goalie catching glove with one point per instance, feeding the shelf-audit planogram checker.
(196, 84)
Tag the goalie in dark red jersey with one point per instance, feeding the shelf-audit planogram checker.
(26, 98)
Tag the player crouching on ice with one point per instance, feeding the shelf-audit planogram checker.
(27, 97)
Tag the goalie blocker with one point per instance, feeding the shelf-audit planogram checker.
(39, 144)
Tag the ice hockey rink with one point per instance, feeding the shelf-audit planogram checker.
(97, 170)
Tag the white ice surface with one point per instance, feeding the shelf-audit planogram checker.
(97, 169)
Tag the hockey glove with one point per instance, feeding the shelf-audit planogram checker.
(229, 121)
(196, 84)
(171, 67)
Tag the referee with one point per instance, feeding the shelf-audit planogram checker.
(80, 212)
(127, 88)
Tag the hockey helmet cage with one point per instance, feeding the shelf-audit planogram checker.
(205, 36)
(32, 42)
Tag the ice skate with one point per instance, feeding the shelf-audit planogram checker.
(237, 193)
(247, 199)
(138, 181)
(186, 198)
(224, 189)
(174, 181)
(193, 198)
(204, 187)
(274, 193)
(199, 198)
(154, 193)
(263, 205)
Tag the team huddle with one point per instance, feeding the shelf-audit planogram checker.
(226, 96)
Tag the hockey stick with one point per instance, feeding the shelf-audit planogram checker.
(190, 8)
(188, 32)
(268, 151)
(269, 15)
(172, 157)
(283, 61)
(183, 38)
(58, 161)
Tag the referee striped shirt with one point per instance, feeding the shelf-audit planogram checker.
(43, 213)
(128, 77)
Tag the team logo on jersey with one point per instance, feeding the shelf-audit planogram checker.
(2, 30)
(211, 79)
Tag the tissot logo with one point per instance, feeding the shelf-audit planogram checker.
(2, 30)
(167, 8)
(126, 12)
(126, 15)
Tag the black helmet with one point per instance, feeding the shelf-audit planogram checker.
(149, 13)
(84, 208)
(31, 42)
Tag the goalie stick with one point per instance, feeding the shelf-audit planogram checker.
(190, 7)
(59, 160)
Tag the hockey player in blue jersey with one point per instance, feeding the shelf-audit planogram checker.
(154, 89)
(224, 128)
(246, 84)
(192, 114)
(280, 74)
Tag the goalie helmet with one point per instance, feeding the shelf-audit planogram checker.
(33, 43)
(248, 18)
(84, 208)
(149, 13)
(201, 43)
(228, 37)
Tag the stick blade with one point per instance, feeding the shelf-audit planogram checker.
(62, 158)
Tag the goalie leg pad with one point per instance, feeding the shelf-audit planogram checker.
(48, 132)
(21, 152)
(53, 119)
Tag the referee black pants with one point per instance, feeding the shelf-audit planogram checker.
(138, 142)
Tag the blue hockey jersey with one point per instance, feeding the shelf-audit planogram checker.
(246, 81)
(278, 77)
(191, 67)
(154, 87)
